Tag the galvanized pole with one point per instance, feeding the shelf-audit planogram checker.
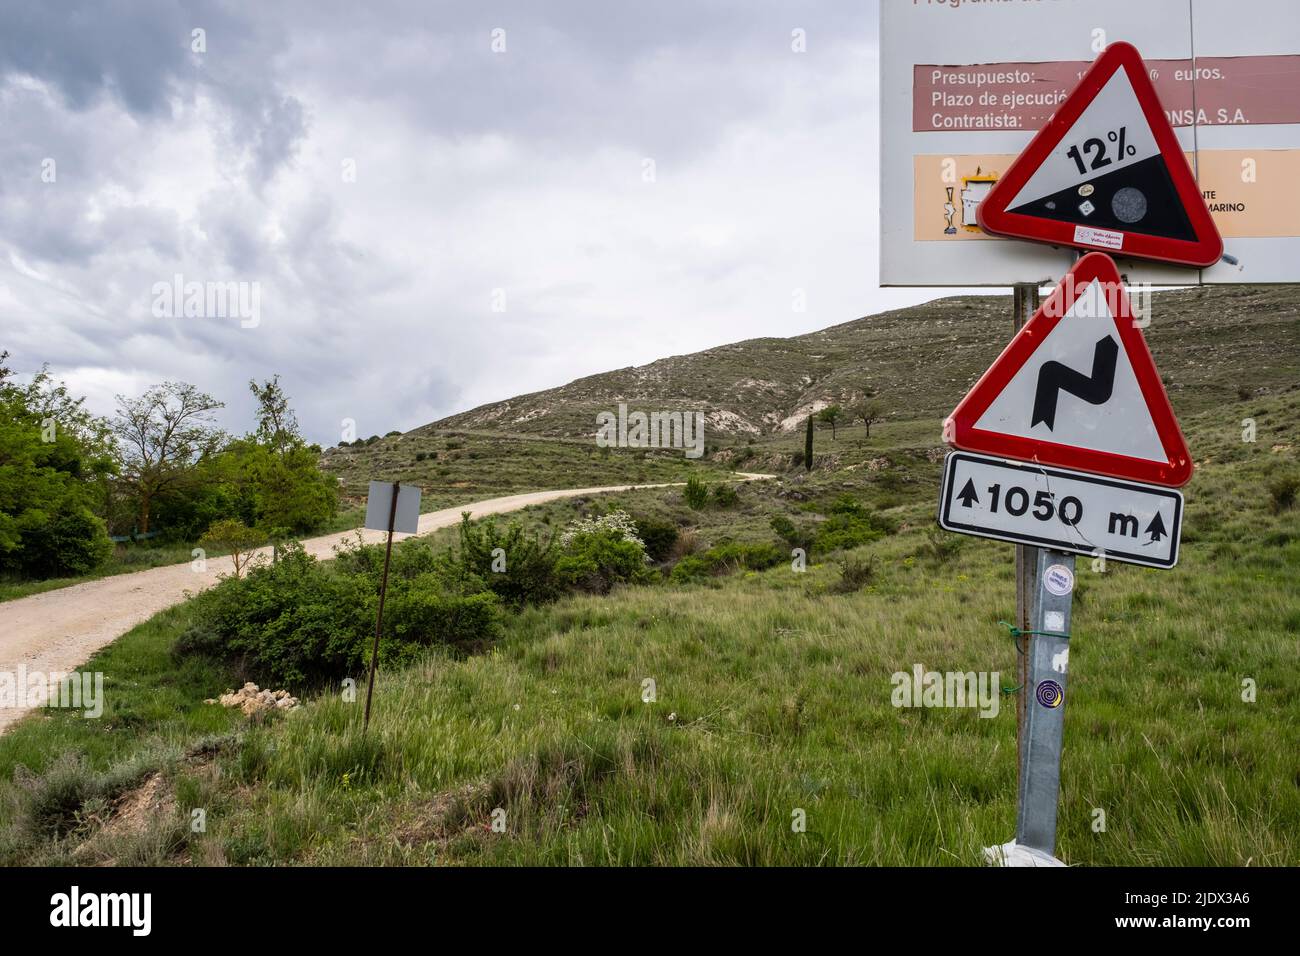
(1025, 304)
(379, 617)
(1044, 702)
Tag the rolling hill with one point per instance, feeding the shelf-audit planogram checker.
(1209, 343)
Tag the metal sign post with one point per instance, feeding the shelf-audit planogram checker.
(379, 617)
(1044, 696)
(403, 508)
(1025, 304)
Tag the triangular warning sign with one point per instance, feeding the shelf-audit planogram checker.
(1077, 388)
(1106, 172)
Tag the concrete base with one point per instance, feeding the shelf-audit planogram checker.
(1013, 854)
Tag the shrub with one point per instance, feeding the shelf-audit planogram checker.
(696, 492)
(659, 535)
(72, 543)
(1282, 493)
(854, 575)
(795, 536)
(942, 545)
(518, 567)
(594, 561)
(726, 558)
(725, 496)
(618, 523)
(688, 542)
(421, 455)
(426, 612)
(850, 524)
(300, 622)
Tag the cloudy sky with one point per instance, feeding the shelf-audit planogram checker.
(436, 205)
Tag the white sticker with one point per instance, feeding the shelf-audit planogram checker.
(1059, 580)
(1054, 621)
(1104, 238)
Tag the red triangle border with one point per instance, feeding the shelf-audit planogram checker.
(992, 214)
(959, 428)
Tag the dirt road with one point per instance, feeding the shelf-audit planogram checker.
(59, 630)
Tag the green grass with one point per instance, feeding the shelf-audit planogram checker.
(773, 697)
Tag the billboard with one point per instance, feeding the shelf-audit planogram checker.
(965, 84)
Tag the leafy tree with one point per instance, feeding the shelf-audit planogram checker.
(236, 539)
(50, 459)
(277, 425)
(163, 435)
(871, 412)
(279, 471)
(831, 415)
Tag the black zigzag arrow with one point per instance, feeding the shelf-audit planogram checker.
(1095, 389)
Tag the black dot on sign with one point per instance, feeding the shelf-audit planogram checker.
(1129, 204)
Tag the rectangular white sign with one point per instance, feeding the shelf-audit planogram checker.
(379, 504)
(1066, 510)
(965, 85)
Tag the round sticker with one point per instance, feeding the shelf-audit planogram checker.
(1086, 189)
(1049, 693)
(1059, 580)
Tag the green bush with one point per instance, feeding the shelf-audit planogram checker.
(517, 566)
(854, 575)
(299, 622)
(659, 535)
(795, 536)
(696, 492)
(726, 558)
(595, 561)
(1282, 493)
(725, 496)
(849, 524)
(71, 543)
(427, 612)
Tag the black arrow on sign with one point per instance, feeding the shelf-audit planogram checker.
(1156, 529)
(967, 494)
(1095, 389)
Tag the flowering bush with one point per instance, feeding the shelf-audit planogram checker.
(619, 523)
(598, 553)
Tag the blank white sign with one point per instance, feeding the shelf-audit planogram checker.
(380, 502)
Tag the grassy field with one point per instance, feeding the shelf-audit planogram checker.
(772, 703)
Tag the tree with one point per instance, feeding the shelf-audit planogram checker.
(870, 412)
(236, 539)
(280, 470)
(49, 462)
(808, 445)
(277, 425)
(831, 415)
(163, 435)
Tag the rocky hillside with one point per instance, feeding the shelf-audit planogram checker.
(1210, 344)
